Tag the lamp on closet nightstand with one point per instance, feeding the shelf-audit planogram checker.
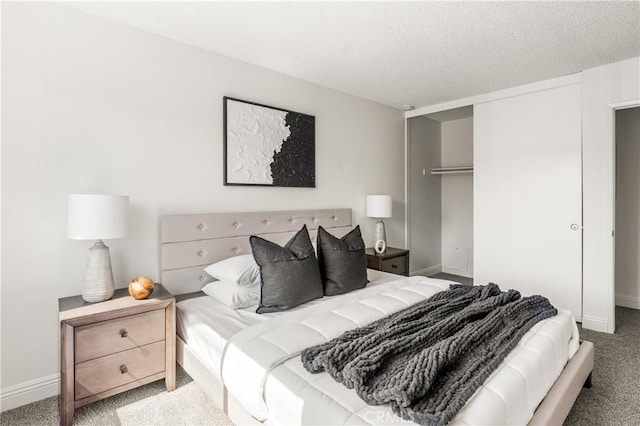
(379, 207)
(97, 217)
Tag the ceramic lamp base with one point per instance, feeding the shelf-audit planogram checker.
(98, 281)
(379, 234)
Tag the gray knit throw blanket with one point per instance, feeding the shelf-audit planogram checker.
(429, 359)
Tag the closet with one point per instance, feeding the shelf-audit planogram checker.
(517, 219)
(441, 192)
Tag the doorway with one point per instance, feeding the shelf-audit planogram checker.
(627, 211)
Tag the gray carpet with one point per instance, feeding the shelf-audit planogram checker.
(614, 398)
(456, 278)
(147, 405)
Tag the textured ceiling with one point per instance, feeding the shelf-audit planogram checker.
(399, 53)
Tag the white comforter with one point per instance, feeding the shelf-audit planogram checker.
(261, 366)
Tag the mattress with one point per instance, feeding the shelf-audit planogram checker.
(258, 359)
(206, 325)
(509, 396)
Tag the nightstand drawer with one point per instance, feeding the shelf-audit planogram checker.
(102, 374)
(395, 265)
(108, 337)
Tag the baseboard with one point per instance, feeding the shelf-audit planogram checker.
(595, 324)
(628, 301)
(456, 272)
(427, 272)
(28, 392)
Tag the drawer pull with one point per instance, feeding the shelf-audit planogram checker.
(394, 266)
(123, 333)
(123, 369)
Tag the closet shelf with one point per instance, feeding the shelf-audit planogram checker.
(451, 170)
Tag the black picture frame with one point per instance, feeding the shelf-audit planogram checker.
(267, 146)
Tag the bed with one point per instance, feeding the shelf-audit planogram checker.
(250, 367)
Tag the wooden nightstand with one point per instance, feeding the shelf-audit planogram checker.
(113, 346)
(393, 260)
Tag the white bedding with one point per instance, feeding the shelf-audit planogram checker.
(206, 325)
(262, 368)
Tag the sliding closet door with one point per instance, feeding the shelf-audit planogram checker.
(528, 195)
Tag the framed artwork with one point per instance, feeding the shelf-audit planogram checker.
(268, 146)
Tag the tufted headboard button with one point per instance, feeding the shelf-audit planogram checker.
(235, 249)
(265, 222)
(201, 253)
(236, 224)
(201, 278)
(201, 226)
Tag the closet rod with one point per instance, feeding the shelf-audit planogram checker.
(451, 170)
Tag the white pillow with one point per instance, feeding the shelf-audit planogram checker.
(241, 270)
(232, 295)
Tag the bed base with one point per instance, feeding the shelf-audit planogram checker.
(211, 384)
(553, 409)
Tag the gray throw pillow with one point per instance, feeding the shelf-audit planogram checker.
(343, 262)
(290, 275)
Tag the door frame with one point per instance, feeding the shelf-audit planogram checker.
(616, 106)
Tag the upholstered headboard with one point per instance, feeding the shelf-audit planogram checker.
(189, 243)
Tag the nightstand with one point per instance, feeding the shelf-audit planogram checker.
(113, 346)
(393, 260)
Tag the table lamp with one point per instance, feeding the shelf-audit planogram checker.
(97, 217)
(379, 207)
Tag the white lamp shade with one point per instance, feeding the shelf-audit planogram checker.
(379, 206)
(97, 217)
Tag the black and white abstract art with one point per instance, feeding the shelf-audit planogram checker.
(268, 146)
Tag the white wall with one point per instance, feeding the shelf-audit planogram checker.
(89, 105)
(457, 198)
(424, 196)
(601, 87)
(627, 241)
